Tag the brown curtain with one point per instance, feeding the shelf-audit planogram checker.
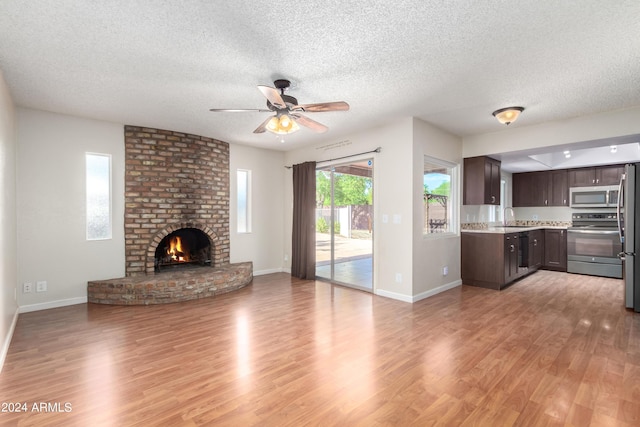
(303, 256)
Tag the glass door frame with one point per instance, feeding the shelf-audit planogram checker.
(331, 168)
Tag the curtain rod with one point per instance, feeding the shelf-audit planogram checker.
(377, 150)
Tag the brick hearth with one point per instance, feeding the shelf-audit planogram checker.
(183, 285)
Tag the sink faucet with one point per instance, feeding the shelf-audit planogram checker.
(504, 216)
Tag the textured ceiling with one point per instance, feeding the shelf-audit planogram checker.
(166, 63)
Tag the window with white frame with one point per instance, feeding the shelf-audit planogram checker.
(244, 200)
(439, 190)
(98, 196)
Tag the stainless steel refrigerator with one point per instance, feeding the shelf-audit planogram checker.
(628, 226)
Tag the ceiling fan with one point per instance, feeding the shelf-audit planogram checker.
(288, 117)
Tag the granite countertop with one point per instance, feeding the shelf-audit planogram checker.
(514, 229)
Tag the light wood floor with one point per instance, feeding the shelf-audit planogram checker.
(553, 349)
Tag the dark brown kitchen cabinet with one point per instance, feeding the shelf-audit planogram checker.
(481, 181)
(522, 194)
(558, 188)
(555, 250)
(609, 175)
(536, 248)
(599, 175)
(544, 188)
(511, 252)
(483, 261)
(540, 189)
(492, 260)
(529, 189)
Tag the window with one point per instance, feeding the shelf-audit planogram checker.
(439, 185)
(98, 181)
(244, 201)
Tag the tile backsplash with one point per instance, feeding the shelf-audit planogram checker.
(482, 217)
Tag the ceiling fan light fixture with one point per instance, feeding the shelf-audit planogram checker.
(286, 123)
(282, 124)
(508, 115)
(273, 124)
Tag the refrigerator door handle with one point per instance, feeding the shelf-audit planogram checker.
(619, 207)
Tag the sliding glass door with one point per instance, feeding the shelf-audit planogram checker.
(344, 223)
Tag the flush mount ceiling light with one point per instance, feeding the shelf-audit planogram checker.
(507, 115)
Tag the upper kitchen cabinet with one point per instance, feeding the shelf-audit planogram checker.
(481, 181)
(529, 189)
(599, 175)
(558, 188)
(545, 188)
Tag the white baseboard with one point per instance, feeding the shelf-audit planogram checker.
(7, 340)
(420, 296)
(271, 271)
(52, 304)
(268, 271)
(393, 295)
(437, 290)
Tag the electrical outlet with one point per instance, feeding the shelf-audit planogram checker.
(445, 270)
(398, 277)
(41, 286)
(27, 287)
(286, 257)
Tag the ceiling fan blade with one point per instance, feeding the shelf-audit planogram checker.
(238, 110)
(273, 96)
(323, 106)
(263, 126)
(311, 124)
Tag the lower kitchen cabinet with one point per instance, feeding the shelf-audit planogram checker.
(536, 248)
(494, 260)
(512, 257)
(555, 250)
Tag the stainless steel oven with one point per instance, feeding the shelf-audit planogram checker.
(593, 245)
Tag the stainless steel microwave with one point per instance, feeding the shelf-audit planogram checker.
(605, 196)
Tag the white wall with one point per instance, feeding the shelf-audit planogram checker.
(264, 245)
(586, 128)
(8, 221)
(392, 195)
(433, 252)
(52, 243)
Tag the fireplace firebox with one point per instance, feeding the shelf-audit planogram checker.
(186, 247)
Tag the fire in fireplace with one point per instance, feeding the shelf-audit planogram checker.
(183, 247)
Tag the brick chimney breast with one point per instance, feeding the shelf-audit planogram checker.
(173, 180)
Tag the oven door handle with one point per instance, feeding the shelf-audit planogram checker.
(593, 231)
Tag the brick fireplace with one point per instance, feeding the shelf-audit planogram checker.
(173, 182)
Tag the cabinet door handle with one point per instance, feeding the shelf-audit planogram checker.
(513, 248)
(564, 202)
(535, 242)
(493, 199)
(597, 181)
(546, 202)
